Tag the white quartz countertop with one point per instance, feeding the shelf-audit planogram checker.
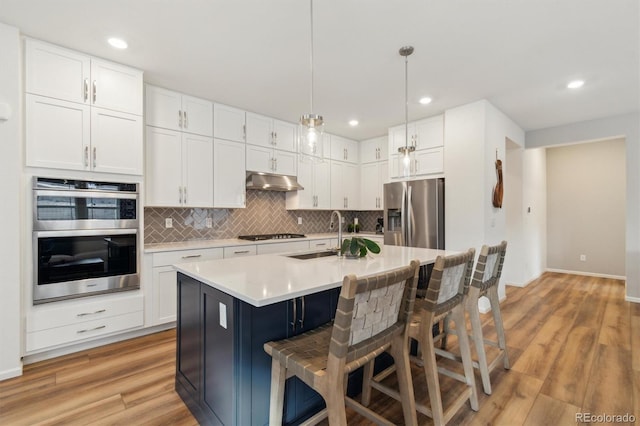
(270, 278)
(202, 244)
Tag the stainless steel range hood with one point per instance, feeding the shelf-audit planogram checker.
(269, 182)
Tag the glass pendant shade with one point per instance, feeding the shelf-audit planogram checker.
(406, 153)
(407, 161)
(311, 129)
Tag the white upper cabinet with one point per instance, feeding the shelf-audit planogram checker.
(57, 72)
(63, 74)
(372, 150)
(175, 111)
(116, 142)
(423, 134)
(265, 131)
(345, 186)
(268, 160)
(229, 174)
(343, 149)
(228, 123)
(58, 133)
(316, 180)
(82, 113)
(179, 169)
(373, 176)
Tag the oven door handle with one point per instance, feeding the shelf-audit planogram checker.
(84, 232)
(86, 194)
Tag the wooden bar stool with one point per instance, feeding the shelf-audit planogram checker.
(372, 317)
(445, 296)
(485, 283)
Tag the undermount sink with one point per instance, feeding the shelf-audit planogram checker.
(313, 255)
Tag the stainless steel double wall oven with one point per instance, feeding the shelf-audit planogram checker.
(85, 238)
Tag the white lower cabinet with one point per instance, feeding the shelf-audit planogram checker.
(273, 248)
(238, 251)
(72, 321)
(323, 244)
(161, 293)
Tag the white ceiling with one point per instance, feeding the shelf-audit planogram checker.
(254, 54)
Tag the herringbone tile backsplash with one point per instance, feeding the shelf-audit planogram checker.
(265, 214)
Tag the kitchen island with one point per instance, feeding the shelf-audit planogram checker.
(227, 310)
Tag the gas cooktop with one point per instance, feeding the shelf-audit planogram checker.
(270, 237)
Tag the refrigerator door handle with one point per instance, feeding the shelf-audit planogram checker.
(403, 216)
(409, 217)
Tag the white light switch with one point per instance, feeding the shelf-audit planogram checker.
(223, 315)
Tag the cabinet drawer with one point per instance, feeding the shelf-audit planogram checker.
(81, 311)
(88, 329)
(323, 244)
(172, 257)
(283, 247)
(236, 251)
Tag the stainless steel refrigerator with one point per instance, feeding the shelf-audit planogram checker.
(414, 213)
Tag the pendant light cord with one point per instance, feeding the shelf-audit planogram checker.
(406, 102)
(311, 49)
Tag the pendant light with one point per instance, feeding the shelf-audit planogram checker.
(311, 124)
(406, 157)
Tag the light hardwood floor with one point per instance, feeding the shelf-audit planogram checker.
(574, 347)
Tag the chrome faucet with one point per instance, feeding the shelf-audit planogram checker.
(337, 213)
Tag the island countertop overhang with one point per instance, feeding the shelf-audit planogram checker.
(270, 278)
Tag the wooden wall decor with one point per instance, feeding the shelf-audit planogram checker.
(498, 190)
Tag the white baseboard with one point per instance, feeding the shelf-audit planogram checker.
(588, 274)
(632, 299)
(8, 374)
(53, 353)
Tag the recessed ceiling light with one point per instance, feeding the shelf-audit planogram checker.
(575, 84)
(426, 100)
(353, 123)
(118, 43)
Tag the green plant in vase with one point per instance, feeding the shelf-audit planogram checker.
(358, 247)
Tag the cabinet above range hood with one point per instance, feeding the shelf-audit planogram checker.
(271, 182)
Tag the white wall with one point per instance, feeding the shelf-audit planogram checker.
(534, 204)
(586, 208)
(626, 126)
(10, 172)
(473, 135)
(512, 272)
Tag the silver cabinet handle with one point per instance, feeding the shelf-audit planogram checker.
(95, 154)
(86, 156)
(84, 314)
(295, 313)
(302, 316)
(241, 252)
(186, 119)
(276, 160)
(179, 118)
(191, 256)
(86, 89)
(244, 132)
(320, 244)
(95, 91)
(180, 194)
(185, 194)
(91, 329)
(275, 138)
